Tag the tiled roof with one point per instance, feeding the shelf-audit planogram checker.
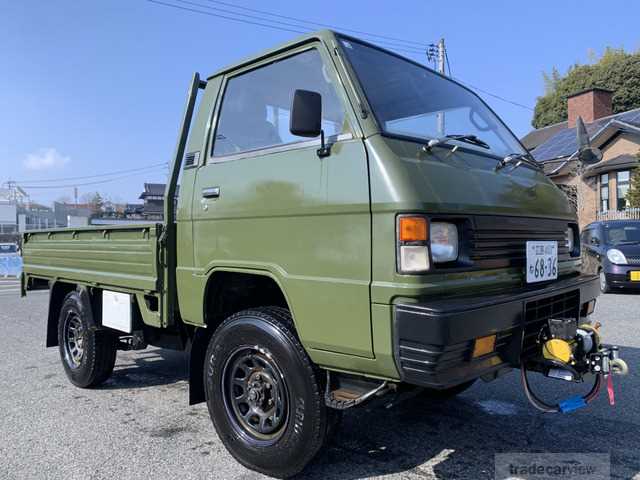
(153, 189)
(563, 142)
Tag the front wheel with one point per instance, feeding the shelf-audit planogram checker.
(604, 283)
(263, 393)
(88, 355)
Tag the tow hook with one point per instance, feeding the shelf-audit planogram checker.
(570, 352)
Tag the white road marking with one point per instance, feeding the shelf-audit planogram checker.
(495, 407)
(427, 468)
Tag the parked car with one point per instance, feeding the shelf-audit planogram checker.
(612, 249)
(8, 249)
(10, 260)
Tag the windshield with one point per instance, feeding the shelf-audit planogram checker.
(629, 233)
(410, 100)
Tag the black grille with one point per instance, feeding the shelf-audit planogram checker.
(498, 242)
(633, 260)
(538, 312)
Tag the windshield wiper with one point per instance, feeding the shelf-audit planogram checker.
(472, 139)
(518, 159)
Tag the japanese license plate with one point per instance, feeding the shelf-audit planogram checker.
(542, 261)
(635, 276)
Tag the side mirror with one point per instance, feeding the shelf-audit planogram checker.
(587, 154)
(306, 114)
(306, 117)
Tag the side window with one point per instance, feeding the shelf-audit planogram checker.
(586, 236)
(257, 105)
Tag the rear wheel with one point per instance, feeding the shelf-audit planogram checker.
(264, 396)
(88, 355)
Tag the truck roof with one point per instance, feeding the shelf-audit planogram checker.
(321, 35)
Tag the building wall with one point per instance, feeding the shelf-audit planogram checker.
(624, 144)
(588, 190)
(587, 193)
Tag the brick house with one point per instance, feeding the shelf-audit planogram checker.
(599, 191)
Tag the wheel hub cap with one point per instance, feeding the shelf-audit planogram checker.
(255, 394)
(74, 339)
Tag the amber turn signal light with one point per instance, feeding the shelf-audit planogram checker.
(484, 345)
(412, 229)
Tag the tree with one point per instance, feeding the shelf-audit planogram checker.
(95, 202)
(633, 195)
(615, 70)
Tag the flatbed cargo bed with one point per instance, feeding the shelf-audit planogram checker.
(113, 256)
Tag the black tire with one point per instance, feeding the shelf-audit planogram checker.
(89, 362)
(447, 393)
(257, 371)
(605, 287)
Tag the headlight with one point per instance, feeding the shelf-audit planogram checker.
(570, 239)
(421, 241)
(413, 251)
(573, 241)
(444, 242)
(616, 256)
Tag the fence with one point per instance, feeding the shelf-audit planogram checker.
(10, 266)
(628, 214)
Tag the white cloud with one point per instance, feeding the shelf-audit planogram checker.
(44, 159)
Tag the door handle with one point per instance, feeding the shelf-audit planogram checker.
(211, 192)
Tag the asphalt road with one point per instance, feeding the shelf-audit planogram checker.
(138, 425)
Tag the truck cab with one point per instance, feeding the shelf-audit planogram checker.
(328, 229)
(348, 222)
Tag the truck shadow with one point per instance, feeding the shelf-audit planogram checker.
(458, 439)
(147, 368)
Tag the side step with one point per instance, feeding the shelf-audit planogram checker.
(351, 391)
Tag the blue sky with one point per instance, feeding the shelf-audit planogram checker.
(98, 86)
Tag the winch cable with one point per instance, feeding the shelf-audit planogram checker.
(548, 408)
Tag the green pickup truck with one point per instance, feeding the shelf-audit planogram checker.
(348, 223)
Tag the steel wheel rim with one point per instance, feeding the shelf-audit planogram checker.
(255, 394)
(74, 340)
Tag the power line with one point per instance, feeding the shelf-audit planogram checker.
(71, 185)
(288, 26)
(296, 29)
(473, 87)
(319, 24)
(97, 175)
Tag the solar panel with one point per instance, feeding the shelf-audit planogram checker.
(564, 143)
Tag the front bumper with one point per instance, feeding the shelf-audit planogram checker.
(619, 276)
(434, 340)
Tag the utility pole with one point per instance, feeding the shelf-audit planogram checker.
(441, 54)
(441, 60)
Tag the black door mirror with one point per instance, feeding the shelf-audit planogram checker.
(306, 118)
(306, 114)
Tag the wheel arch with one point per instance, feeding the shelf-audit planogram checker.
(227, 291)
(59, 291)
